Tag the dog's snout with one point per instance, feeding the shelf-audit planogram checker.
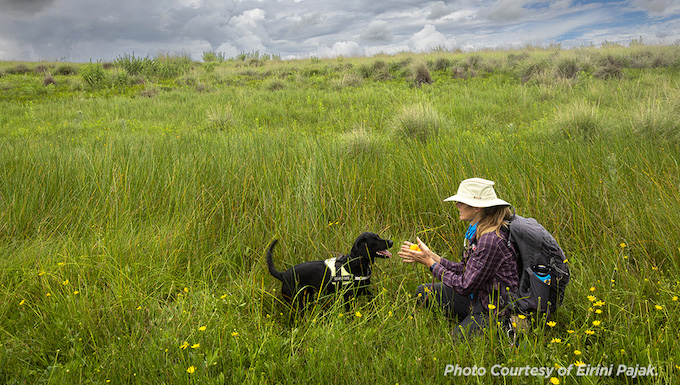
(389, 243)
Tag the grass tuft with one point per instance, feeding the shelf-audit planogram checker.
(417, 121)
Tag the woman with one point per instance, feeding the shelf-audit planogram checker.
(477, 287)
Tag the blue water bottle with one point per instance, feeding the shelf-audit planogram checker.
(543, 273)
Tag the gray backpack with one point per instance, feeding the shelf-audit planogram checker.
(542, 268)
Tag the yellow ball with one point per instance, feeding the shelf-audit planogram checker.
(414, 247)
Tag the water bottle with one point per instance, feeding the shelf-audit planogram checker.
(543, 273)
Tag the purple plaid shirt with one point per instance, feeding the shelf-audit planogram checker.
(488, 269)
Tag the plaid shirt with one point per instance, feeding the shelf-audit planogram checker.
(488, 270)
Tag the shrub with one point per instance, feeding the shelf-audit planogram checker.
(170, 66)
(441, 64)
(609, 67)
(418, 121)
(348, 80)
(122, 80)
(381, 70)
(532, 69)
(568, 68)
(475, 62)
(19, 69)
(365, 70)
(94, 75)
(66, 70)
(133, 65)
(41, 69)
(421, 73)
(209, 67)
(211, 56)
(47, 80)
(275, 85)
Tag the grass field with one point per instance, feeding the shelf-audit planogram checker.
(137, 199)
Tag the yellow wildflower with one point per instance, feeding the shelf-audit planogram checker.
(590, 332)
(658, 307)
(597, 323)
(554, 380)
(551, 324)
(202, 328)
(234, 334)
(357, 314)
(23, 301)
(191, 369)
(579, 363)
(184, 345)
(577, 352)
(195, 346)
(491, 306)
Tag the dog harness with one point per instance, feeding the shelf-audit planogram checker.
(340, 277)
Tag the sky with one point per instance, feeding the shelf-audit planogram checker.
(84, 30)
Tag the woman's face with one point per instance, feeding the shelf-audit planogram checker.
(467, 213)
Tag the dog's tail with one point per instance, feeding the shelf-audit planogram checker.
(270, 261)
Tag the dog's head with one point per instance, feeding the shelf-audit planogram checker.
(370, 246)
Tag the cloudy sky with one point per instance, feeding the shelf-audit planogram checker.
(83, 30)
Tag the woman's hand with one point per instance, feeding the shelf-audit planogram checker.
(422, 254)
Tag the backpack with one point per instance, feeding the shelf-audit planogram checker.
(542, 268)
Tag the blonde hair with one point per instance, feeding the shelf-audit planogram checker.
(493, 219)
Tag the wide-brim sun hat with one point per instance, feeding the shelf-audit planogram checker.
(477, 192)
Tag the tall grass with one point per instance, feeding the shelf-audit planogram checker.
(133, 229)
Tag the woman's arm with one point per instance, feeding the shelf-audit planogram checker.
(427, 257)
(422, 254)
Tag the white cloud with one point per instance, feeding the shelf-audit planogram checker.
(427, 39)
(248, 30)
(344, 48)
(81, 30)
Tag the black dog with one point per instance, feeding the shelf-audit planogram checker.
(350, 273)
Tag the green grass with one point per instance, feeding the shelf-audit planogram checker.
(135, 213)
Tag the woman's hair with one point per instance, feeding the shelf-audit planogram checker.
(493, 219)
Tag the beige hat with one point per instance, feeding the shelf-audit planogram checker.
(477, 192)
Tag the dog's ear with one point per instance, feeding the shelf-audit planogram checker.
(360, 247)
